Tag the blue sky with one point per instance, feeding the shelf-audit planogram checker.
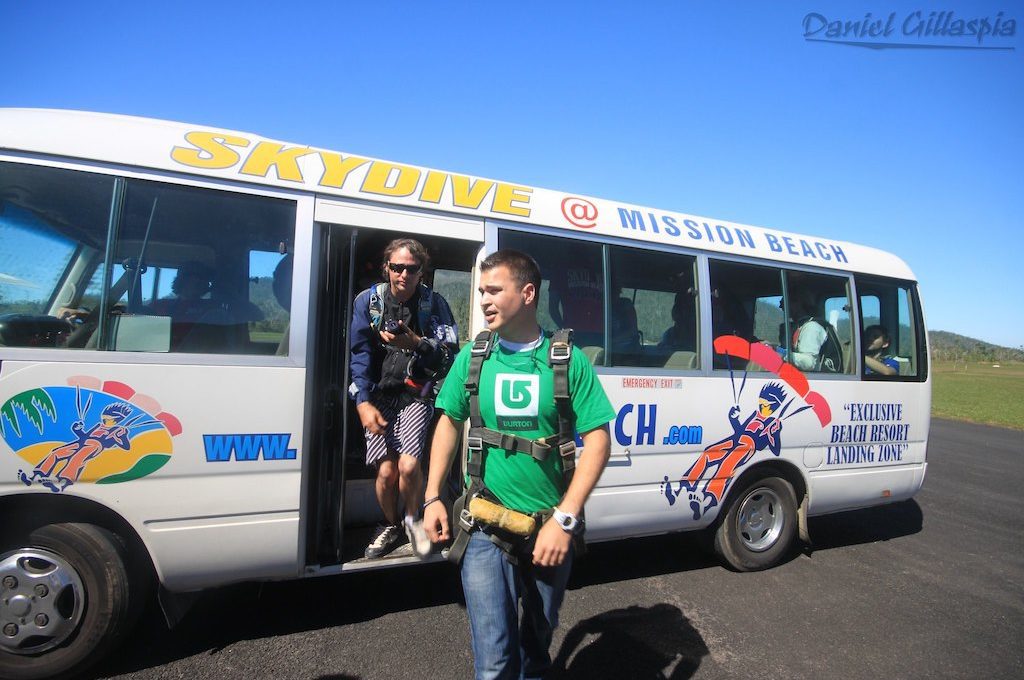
(722, 110)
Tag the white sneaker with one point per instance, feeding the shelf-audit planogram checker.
(418, 537)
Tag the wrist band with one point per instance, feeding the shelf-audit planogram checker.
(429, 501)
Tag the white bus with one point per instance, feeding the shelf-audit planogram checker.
(144, 443)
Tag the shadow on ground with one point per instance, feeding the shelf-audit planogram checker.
(870, 525)
(635, 642)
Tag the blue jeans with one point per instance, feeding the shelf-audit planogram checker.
(505, 648)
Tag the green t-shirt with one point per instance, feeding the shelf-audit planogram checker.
(517, 396)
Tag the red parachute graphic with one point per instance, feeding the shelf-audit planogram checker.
(769, 359)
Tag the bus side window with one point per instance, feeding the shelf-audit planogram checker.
(819, 321)
(53, 226)
(892, 306)
(746, 303)
(194, 271)
(653, 309)
(572, 287)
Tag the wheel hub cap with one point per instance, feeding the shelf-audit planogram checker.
(34, 619)
(760, 519)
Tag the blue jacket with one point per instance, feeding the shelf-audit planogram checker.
(368, 351)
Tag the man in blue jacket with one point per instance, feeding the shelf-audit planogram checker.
(403, 337)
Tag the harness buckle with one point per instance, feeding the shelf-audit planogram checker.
(508, 441)
(480, 347)
(466, 520)
(567, 449)
(475, 443)
(560, 352)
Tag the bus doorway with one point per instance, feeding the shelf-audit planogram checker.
(343, 504)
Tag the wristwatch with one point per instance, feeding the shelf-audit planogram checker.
(571, 524)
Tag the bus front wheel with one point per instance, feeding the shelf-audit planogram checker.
(64, 600)
(760, 526)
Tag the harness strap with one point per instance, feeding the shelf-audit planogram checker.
(465, 524)
(423, 309)
(537, 448)
(558, 359)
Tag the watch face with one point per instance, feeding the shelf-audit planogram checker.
(566, 521)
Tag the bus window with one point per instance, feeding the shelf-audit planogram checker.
(270, 289)
(819, 322)
(653, 309)
(572, 287)
(454, 287)
(53, 226)
(194, 272)
(745, 302)
(890, 305)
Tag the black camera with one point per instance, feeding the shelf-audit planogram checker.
(395, 328)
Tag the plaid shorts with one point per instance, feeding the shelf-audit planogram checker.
(406, 430)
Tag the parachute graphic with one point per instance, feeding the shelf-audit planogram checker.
(765, 356)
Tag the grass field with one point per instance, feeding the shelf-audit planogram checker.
(979, 393)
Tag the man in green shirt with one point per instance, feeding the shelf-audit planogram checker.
(516, 396)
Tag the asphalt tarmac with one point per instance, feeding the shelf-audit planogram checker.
(930, 588)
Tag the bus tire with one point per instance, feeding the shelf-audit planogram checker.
(80, 613)
(760, 525)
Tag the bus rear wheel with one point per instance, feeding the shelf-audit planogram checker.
(760, 526)
(64, 600)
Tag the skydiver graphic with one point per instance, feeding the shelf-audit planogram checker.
(111, 431)
(761, 430)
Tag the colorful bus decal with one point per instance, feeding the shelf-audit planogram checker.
(761, 430)
(89, 431)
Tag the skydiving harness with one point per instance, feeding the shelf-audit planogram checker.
(419, 377)
(478, 508)
(378, 306)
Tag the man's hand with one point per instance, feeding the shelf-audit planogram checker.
(435, 521)
(406, 339)
(552, 545)
(371, 418)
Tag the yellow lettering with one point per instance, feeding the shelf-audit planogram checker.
(377, 179)
(506, 194)
(468, 195)
(337, 169)
(270, 154)
(211, 150)
(433, 185)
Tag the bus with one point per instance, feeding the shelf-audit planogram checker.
(143, 449)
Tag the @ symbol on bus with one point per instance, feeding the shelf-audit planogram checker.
(579, 212)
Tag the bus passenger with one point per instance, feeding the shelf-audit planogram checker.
(515, 565)
(810, 334)
(876, 361)
(682, 334)
(403, 337)
(190, 286)
(576, 298)
(198, 323)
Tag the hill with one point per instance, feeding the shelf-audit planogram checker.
(949, 346)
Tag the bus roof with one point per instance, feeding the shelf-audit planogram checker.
(241, 156)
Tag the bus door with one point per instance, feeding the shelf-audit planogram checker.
(343, 504)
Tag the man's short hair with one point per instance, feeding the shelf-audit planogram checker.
(191, 269)
(523, 268)
(872, 333)
(415, 248)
